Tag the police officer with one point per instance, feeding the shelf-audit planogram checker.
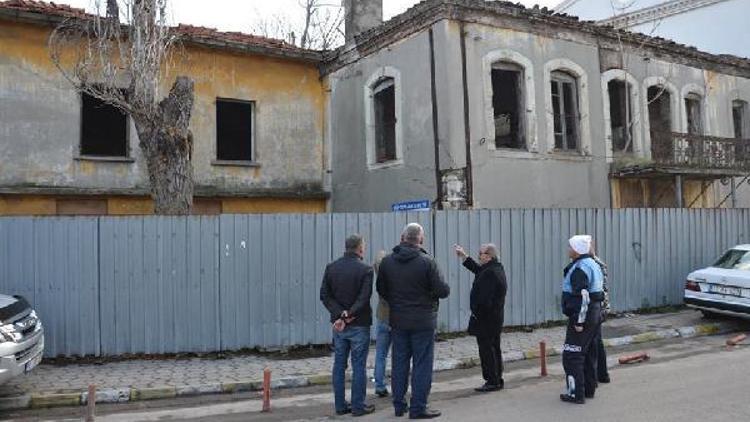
(582, 296)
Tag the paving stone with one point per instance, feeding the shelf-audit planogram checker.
(232, 374)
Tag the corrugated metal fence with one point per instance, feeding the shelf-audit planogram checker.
(108, 286)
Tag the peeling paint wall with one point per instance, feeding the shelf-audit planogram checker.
(41, 120)
(718, 91)
(356, 186)
(539, 176)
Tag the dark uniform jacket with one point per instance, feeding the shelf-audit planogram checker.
(409, 280)
(487, 297)
(347, 286)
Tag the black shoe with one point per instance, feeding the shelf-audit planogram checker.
(344, 412)
(400, 413)
(365, 411)
(428, 414)
(382, 393)
(589, 396)
(486, 388)
(604, 380)
(571, 399)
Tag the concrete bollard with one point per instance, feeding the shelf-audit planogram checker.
(266, 390)
(91, 404)
(543, 357)
(739, 338)
(634, 358)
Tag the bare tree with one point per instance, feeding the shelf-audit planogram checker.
(318, 25)
(121, 58)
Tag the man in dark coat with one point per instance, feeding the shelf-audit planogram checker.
(487, 312)
(345, 292)
(410, 282)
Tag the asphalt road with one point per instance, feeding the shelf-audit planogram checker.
(685, 380)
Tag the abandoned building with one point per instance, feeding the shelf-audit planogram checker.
(258, 125)
(488, 104)
(463, 103)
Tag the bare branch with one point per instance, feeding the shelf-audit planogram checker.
(123, 63)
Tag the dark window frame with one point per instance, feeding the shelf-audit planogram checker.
(517, 119)
(385, 134)
(741, 119)
(82, 153)
(625, 114)
(253, 159)
(694, 108)
(559, 79)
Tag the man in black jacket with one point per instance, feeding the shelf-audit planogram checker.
(487, 312)
(409, 280)
(345, 292)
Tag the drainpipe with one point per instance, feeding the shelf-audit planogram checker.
(678, 190)
(467, 127)
(435, 134)
(733, 182)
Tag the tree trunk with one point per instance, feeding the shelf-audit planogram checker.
(167, 144)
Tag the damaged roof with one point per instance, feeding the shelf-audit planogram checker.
(417, 18)
(427, 12)
(50, 13)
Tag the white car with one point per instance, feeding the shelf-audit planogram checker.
(21, 337)
(724, 287)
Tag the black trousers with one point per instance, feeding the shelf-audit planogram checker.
(602, 373)
(491, 357)
(580, 355)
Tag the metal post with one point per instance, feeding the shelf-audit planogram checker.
(543, 357)
(266, 390)
(733, 184)
(678, 190)
(91, 404)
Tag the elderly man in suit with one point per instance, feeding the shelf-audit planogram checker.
(487, 311)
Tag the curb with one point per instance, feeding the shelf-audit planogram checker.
(124, 395)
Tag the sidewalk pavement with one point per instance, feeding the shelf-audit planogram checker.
(53, 386)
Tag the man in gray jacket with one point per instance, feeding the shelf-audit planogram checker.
(410, 282)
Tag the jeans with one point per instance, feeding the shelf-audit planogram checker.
(382, 345)
(354, 340)
(415, 347)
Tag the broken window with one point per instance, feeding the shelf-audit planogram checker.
(659, 110)
(384, 98)
(621, 115)
(508, 105)
(694, 115)
(740, 119)
(234, 130)
(660, 120)
(565, 111)
(104, 129)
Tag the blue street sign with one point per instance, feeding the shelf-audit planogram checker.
(423, 205)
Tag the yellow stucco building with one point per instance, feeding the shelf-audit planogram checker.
(259, 125)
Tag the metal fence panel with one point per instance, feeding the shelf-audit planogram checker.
(108, 286)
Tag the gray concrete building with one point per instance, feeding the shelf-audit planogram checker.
(471, 103)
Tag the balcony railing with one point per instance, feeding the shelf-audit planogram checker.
(700, 152)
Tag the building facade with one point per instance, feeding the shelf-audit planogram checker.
(258, 126)
(480, 104)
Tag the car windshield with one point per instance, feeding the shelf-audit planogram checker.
(734, 259)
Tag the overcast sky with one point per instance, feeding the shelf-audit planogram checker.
(238, 15)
